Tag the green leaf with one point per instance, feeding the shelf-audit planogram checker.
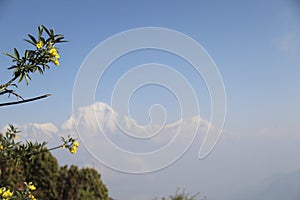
(27, 78)
(29, 42)
(47, 31)
(40, 30)
(40, 70)
(10, 55)
(17, 53)
(32, 38)
(12, 67)
(46, 67)
(21, 78)
(58, 35)
(26, 55)
(60, 39)
(51, 32)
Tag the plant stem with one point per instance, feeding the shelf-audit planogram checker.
(25, 101)
(9, 82)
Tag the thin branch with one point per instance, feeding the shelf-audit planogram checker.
(11, 92)
(45, 150)
(14, 93)
(8, 83)
(6, 91)
(25, 101)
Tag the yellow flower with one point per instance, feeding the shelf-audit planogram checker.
(1, 191)
(55, 61)
(57, 55)
(76, 144)
(73, 150)
(40, 44)
(1, 148)
(31, 196)
(31, 186)
(63, 146)
(6, 194)
(53, 51)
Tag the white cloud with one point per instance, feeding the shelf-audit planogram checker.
(90, 120)
(37, 132)
(85, 117)
(121, 143)
(233, 161)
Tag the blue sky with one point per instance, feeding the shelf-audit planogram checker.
(244, 39)
(255, 44)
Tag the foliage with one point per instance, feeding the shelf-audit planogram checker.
(42, 169)
(12, 153)
(32, 61)
(28, 170)
(181, 195)
(27, 161)
(24, 194)
(83, 183)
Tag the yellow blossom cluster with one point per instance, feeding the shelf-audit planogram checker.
(55, 56)
(73, 149)
(31, 186)
(53, 51)
(5, 193)
(31, 196)
(1, 147)
(40, 44)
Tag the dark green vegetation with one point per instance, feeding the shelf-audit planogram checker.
(182, 195)
(52, 181)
